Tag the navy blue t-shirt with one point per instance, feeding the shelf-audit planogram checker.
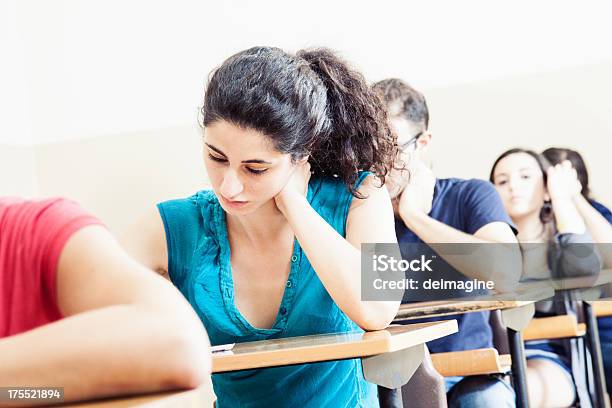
(604, 323)
(466, 205)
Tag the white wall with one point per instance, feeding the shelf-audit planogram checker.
(104, 67)
(119, 177)
(15, 120)
(18, 171)
(473, 123)
(99, 98)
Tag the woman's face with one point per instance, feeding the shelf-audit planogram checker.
(245, 170)
(520, 183)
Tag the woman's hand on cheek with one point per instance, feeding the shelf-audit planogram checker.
(563, 181)
(296, 187)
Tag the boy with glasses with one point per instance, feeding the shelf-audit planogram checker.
(432, 211)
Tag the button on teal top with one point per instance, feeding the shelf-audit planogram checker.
(199, 265)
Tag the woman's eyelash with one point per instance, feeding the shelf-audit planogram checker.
(257, 172)
(222, 160)
(217, 159)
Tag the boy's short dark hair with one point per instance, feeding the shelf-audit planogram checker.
(412, 104)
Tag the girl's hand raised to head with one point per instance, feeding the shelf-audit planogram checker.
(563, 181)
(563, 186)
(296, 187)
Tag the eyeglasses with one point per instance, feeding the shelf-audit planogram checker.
(404, 146)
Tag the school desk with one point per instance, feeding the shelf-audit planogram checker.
(517, 310)
(389, 358)
(201, 397)
(575, 292)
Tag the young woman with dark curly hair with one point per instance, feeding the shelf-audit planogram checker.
(296, 148)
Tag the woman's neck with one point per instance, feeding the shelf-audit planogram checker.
(260, 227)
(530, 227)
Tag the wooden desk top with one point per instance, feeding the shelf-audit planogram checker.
(295, 350)
(200, 397)
(522, 297)
(327, 347)
(602, 278)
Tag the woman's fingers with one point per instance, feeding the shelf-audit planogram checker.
(563, 179)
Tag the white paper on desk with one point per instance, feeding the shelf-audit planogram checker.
(222, 347)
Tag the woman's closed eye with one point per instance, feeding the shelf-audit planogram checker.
(251, 170)
(256, 171)
(217, 158)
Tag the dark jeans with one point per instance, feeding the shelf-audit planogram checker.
(479, 391)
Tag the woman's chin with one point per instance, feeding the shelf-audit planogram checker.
(248, 208)
(231, 206)
(520, 212)
(237, 210)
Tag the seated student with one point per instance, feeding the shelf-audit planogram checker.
(433, 210)
(76, 312)
(273, 250)
(597, 218)
(539, 199)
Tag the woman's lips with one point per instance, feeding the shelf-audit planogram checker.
(232, 203)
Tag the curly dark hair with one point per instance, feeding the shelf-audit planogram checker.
(412, 103)
(311, 103)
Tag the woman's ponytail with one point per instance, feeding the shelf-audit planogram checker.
(359, 137)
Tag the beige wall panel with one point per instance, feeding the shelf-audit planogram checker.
(119, 176)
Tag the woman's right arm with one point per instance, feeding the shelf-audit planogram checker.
(145, 241)
(563, 185)
(125, 331)
(573, 253)
(599, 228)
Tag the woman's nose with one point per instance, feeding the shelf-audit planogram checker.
(512, 184)
(231, 185)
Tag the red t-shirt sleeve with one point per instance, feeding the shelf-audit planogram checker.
(32, 237)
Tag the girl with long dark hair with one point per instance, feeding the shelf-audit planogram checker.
(553, 237)
(296, 147)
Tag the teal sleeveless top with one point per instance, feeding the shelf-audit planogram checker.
(199, 265)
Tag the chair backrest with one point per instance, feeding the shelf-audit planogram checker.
(426, 388)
